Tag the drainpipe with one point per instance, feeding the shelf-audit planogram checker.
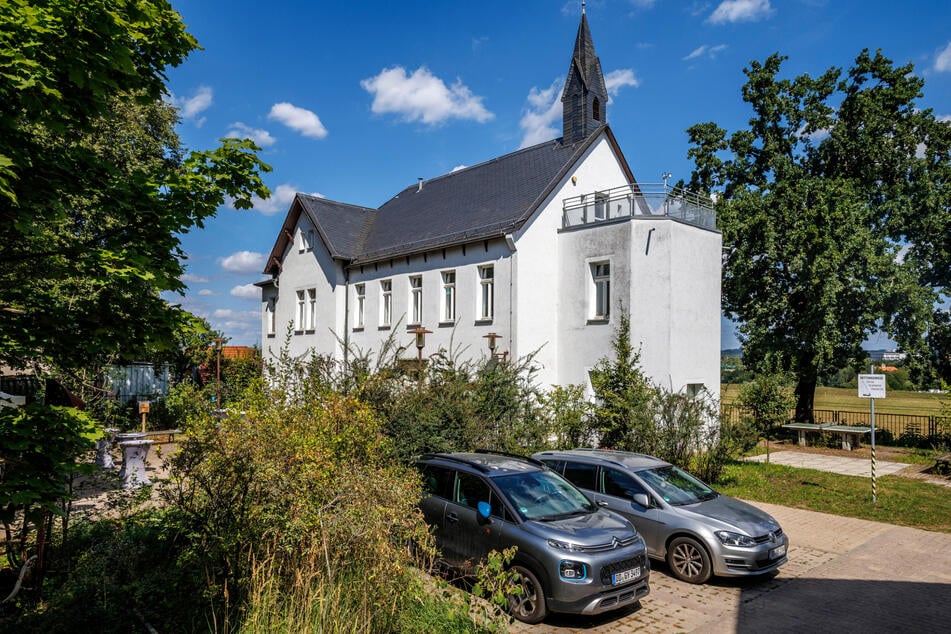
(346, 312)
(510, 241)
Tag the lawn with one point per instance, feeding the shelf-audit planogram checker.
(836, 398)
(900, 500)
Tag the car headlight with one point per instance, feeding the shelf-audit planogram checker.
(560, 545)
(734, 539)
(572, 570)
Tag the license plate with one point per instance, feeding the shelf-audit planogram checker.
(777, 552)
(625, 575)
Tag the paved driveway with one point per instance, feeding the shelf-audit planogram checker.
(843, 575)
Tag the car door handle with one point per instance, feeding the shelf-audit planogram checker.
(452, 517)
(602, 503)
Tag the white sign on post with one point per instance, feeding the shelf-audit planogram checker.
(871, 386)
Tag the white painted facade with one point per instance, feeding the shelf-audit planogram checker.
(665, 272)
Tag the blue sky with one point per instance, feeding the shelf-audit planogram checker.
(355, 100)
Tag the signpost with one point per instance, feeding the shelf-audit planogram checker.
(872, 386)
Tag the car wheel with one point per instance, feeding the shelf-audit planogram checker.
(529, 605)
(688, 560)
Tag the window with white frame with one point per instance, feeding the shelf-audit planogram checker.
(487, 292)
(386, 302)
(449, 296)
(311, 308)
(270, 318)
(306, 239)
(416, 298)
(301, 311)
(361, 302)
(601, 291)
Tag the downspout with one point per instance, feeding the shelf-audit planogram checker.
(346, 313)
(510, 241)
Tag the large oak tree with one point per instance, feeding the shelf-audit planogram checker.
(834, 208)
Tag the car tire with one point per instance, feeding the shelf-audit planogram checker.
(529, 606)
(688, 560)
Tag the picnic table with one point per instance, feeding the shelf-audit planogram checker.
(850, 435)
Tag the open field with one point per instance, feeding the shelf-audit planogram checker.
(835, 398)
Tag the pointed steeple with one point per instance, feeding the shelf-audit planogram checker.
(584, 100)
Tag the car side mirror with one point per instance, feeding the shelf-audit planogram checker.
(642, 499)
(484, 510)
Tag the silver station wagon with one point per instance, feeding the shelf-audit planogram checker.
(698, 531)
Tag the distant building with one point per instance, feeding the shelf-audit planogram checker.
(537, 251)
(886, 355)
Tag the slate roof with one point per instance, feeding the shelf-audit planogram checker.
(475, 203)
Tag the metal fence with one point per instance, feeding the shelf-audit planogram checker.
(911, 430)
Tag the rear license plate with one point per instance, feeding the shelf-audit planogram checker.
(625, 575)
(777, 552)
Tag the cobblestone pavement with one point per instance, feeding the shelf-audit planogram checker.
(835, 464)
(843, 574)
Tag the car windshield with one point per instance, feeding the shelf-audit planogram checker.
(677, 487)
(543, 495)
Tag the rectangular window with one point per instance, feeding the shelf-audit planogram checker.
(487, 284)
(361, 302)
(270, 318)
(601, 297)
(301, 312)
(311, 308)
(600, 206)
(449, 296)
(416, 298)
(386, 302)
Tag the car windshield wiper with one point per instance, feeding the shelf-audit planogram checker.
(710, 495)
(561, 516)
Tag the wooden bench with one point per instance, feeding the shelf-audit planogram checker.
(167, 435)
(848, 434)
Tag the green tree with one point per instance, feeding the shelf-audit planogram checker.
(827, 203)
(95, 189)
(621, 416)
(766, 402)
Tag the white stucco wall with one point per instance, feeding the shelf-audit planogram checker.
(541, 298)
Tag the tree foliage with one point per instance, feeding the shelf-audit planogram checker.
(834, 207)
(95, 188)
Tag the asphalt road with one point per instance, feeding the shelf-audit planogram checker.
(843, 575)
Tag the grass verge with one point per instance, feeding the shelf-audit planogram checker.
(900, 500)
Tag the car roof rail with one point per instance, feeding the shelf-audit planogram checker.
(611, 459)
(451, 458)
(508, 454)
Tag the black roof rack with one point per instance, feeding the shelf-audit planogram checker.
(445, 456)
(513, 455)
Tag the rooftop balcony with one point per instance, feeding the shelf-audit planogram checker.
(639, 199)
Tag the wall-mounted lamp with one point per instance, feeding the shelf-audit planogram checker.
(574, 180)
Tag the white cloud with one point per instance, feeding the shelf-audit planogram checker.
(190, 107)
(741, 11)
(206, 292)
(243, 262)
(281, 198)
(262, 138)
(942, 61)
(299, 119)
(539, 120)
(246, 291)
(459, 167)
(194, 279)
(617, 79)
(423, 97)
(705, 50)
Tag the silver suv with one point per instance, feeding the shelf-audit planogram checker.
(698, 531)
(571, 556)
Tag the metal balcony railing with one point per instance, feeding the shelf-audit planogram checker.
(639, 199)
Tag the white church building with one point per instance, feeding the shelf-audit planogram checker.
(538, 251)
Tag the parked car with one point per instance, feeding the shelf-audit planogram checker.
(572, 555)
(698, 531)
